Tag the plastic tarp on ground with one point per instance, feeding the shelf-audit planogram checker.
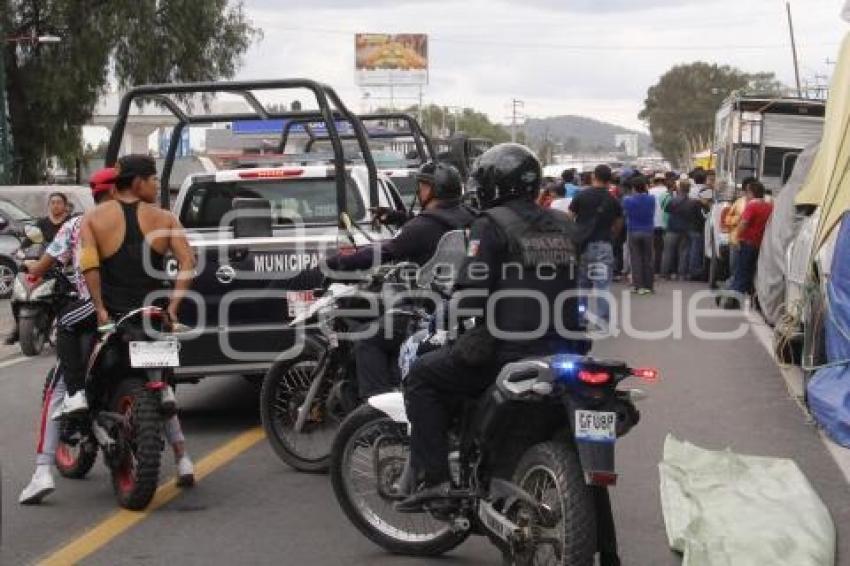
(829, 388)
(781, 231)
(725, 509)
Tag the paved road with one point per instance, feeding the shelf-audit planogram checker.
(254, 510)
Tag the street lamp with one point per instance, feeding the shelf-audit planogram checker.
(5, 139)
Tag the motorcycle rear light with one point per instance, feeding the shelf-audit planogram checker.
(155, 385)
(600, 478)
(594, 377)
(32, 279)
(649, 375)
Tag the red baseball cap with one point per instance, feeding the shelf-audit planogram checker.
(103, 180)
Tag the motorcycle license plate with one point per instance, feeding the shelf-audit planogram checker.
(298, 302)
(161, 354)
(596, 426)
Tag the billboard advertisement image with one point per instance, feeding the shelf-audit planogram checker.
(383, 59)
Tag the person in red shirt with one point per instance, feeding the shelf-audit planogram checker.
(750, 234)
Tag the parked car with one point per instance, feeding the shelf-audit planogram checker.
(13, 219)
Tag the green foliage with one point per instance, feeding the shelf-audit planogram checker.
(53, 88)
(468, 121)
(680, 108)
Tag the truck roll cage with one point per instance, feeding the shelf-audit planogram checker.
(330, 108)
(424, 145)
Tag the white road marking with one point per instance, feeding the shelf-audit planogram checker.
(13, 361)
(793, 377)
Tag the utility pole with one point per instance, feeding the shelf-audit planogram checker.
(794, 50)
(515, 104)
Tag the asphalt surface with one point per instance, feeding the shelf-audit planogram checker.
(255, 510)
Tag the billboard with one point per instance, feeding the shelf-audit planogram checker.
(391, 59)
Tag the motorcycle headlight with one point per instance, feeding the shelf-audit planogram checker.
(19, 290)
(44, 290)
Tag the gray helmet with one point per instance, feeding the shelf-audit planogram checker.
(443, 178)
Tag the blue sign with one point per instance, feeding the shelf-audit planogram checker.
(261, 127)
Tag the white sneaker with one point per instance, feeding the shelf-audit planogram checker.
(41, 485)
(72, 404)
(185, 472)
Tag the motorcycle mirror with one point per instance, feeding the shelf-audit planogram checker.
(33, 234)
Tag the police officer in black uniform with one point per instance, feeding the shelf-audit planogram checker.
(439, 193)
(516, 247)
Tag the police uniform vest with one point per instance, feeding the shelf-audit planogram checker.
(540, 263)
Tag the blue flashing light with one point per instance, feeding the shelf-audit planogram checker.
(565, 366)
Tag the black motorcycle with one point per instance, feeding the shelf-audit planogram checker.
(130, 370)
(531, 461)
(305, 398)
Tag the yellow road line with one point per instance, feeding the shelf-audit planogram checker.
(113, 526)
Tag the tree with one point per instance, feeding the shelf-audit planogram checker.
(469, 121)
(52, 89)
(680, 108)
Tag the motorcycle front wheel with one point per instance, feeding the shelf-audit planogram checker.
(284, 392)
(368, 456)
(552, 474)
(31, 334)
(135, 475)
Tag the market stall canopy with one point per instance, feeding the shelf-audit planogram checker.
(828, 184)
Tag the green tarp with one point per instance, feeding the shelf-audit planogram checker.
(726, 509)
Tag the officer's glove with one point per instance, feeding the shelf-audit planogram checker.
(389, 216)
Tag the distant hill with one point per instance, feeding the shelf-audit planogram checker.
(578, 133)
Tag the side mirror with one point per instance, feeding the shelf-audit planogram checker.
(4, 223)
(33, 234)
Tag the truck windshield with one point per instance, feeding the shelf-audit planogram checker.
(313, 201)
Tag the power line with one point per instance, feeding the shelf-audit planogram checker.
(576, 47)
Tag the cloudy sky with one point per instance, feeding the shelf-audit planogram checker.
(588, 57)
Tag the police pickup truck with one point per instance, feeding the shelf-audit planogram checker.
(262, 227)
(254, 276)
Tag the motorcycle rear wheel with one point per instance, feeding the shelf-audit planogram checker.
(135, 477)
(31, 335)
(552, 474)
(377, 520)
(285, 387)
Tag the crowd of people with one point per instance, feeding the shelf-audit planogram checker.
(643, 225)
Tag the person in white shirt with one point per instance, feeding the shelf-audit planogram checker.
(661, 193)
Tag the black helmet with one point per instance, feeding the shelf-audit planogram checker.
(505, 171)
(444, 179)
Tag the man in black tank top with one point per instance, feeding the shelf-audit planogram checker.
(122, 270)
(126, 269)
